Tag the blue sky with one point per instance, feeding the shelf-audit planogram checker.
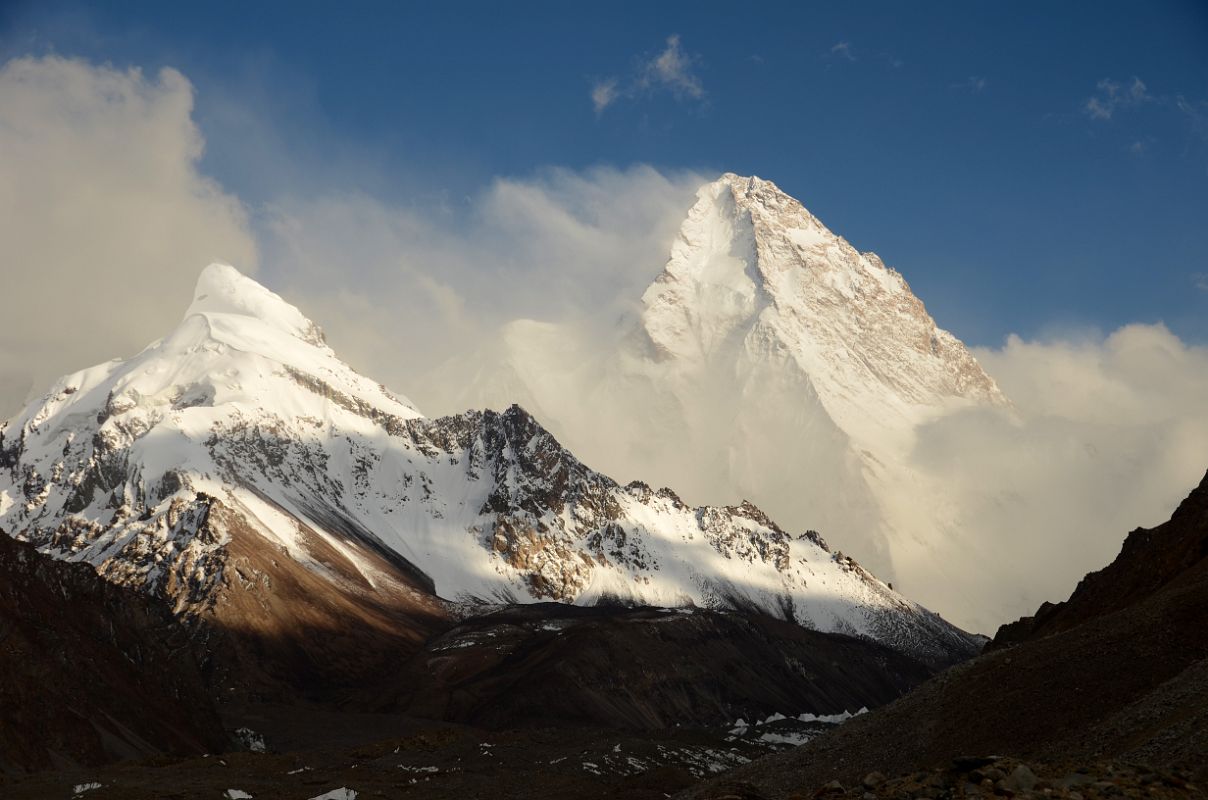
(1029, 167)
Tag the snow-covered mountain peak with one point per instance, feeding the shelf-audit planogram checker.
(783, 248)
(223, 290)
(764, 202)
(753, 277)
(239, 350)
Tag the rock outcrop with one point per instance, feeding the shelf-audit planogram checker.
(92, 672)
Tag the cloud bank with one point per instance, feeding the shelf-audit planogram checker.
(432, 284)
(104, 215)
(1108, 434)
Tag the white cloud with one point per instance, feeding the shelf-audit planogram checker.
(558, 246)
(1111, 96)
(974, 83)
(1196, 113)
(1200, 279)
(1107, 434)
(603, 94)
(673, 70)
(104, 216)
(842, 50)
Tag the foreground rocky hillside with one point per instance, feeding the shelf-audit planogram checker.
(1151, 561)
(92, 672)
(1119, 672)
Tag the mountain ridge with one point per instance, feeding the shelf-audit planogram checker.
(770, 359)
(243, 419)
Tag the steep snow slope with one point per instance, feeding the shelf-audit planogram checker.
(242, 428)
(769, 359)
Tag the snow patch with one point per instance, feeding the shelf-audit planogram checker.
(343, 793)
(832, 719)
(250, 740)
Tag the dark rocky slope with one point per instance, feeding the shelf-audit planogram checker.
(1151, 560)
(92, 672)
(644, 669)
(1117, 672)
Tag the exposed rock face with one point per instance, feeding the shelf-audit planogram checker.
(238, 457)
(92, 672)
(1118, 672)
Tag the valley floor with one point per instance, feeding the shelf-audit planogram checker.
(393, 756)
(314, 751)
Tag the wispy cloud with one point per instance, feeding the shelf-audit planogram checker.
(1111, 96)
(603, 94)
(1200, 281)
(673, 70)
(1196, 113)
(974, 83)
(842, 50)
